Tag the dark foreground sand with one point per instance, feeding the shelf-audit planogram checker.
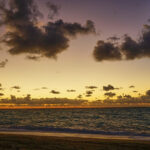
(31, 142)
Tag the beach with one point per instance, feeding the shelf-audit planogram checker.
(39, 141)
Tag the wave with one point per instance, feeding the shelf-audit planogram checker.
(72, 131)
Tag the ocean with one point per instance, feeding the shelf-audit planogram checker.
(103, 121)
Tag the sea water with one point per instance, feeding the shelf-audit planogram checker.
(105, 121)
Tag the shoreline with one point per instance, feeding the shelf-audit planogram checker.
(76, 135)
(13, 141)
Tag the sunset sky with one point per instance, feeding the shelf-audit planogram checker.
(51, 72)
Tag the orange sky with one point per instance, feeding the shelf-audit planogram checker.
(75, 68)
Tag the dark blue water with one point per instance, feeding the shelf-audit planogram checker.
(109, 121)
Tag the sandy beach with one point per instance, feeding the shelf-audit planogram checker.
(62, 141)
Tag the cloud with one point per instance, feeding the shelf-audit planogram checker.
(71, 90)
(1, 94)
(3, 63)
(91, 87)
(79, 96)
(89, 92)
(26, 37)
(132, 86)
(27, 100)
(128, 49)
(35, 58)
(135, 91)
(127, 96)
(0, 85)
(16, 87)
(148, 93)
(36, 89)
(53, 10)
(108, 88)
(106, 51)
(54, 92)
(44, 88)
(110, 94)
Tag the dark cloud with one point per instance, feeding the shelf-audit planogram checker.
(79, 96)
(110, 94)
(106, 51)
(91, 87)
(88, 95)
(132, 86)
(16, 87)
(54, 92)
(71, 90)
(3, 63)
(26, 37)
(0, 85)
(148, 93)
(128, 49)
(89, 92)
(1, 94)
(127, 96)
(108, 88)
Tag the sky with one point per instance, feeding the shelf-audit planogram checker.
(97, 43)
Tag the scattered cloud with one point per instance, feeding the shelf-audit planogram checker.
(44, 88)
(108, 88)
(132, 86)
(91, 87)
(24, 36)
(53, 10)
(1, 94)
(35, 58)
(135, 91)
(128, 49)
(71, 90)
(54, 92)
(16, 87)
(106, 51)
(148, 93)
(79, 96)
(1, 89)
(127, 96)
(36, 89)
(110, 94)
(89, 92)
(27, 100)
(3, 63)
